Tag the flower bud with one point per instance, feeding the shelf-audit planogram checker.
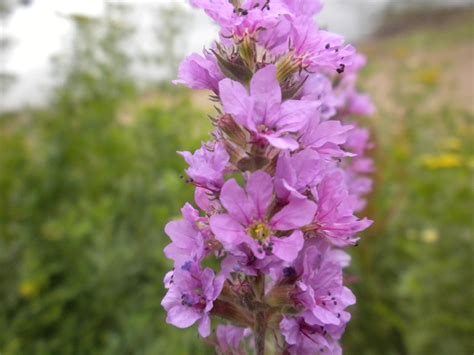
(232, 68)
(252, 163)
(227, 125)
(235, 152)
(247, 52)
(280, 296)
(286, 67)
(232, 313)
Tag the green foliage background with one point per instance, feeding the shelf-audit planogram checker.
(87, 185)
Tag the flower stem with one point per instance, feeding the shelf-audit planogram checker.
(260, 318)
(260, 331)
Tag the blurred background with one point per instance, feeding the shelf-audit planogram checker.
(89, 126)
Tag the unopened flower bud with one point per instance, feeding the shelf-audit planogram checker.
(233, 69)
(286, 67)
(247, 52)
(227, 124)
(280, 296)
(235, 152)
(252, 163)
(232, 313)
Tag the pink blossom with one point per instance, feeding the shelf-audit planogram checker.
(263, 112)
(316, 49)
(191, 296)
(303, 338)
(188, 241)
(247, 221)
(197, 72)
(230, 338)
(335, 219)
(296, 173)
(207, 166)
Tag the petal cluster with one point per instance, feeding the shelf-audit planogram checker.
(278, 187)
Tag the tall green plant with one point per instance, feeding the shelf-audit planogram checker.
(84, 194)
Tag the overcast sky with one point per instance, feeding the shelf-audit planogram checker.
(41, 30)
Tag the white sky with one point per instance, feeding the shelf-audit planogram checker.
(41, 30)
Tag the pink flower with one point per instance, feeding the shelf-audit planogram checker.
(197, 72)
(315, 49)
(318, 87)
(248, 221)
(247, 19)
(321, 289)
(307, 8)
(326, 137)
(191, 296)
(229, 339)
(296, 173)
(351, 102)
(303, 338)
(188, 241)
(263, 112)
(207, 166)
(358, 141)
(335, 219)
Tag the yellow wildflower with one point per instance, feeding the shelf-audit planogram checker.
(429, 235)
(428, 76)
(442, 161)
(29, 289)
(451, 143)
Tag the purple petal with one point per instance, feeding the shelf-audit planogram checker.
(205, 326)
(318, 134)
(347, 297)
(219, 10)
(297, 213)
(237, 203)
(197, 72)
(229, 337)
(182, 316)
(180, 232)
(287, 249)
(321, 315)
(284, 169)
(285, 176)
(265, 90)
(168, 280)
(260, 190)
(308, 167)
(290, 330)
(304, 7)
(202, 199)
(340, 257)
(228, 231)
(235, 100)
(294, 115)
(187, 242)
(284, 143)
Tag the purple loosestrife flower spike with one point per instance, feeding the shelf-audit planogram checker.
(279, 186)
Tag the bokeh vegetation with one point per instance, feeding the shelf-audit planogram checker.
(414, 268)
(87, 185)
